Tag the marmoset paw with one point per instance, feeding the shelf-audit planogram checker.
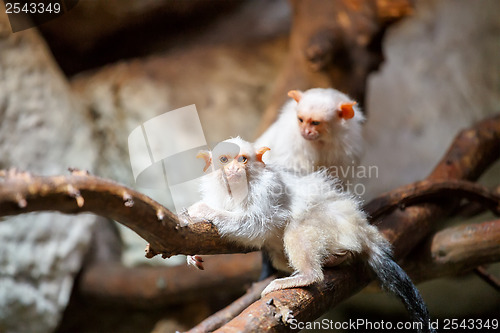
(198, 209)
(195, 261)
(184, 218)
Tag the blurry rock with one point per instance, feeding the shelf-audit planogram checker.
(42, 130)
(441, 74)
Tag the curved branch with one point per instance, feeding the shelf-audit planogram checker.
(427, 190)
(21, 192)
(449, 252)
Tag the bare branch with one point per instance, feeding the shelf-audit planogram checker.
(427, 190)
(223, 316)
(487, 277)
(21, 192)
(449, 252)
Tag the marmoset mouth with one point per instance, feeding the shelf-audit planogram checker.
(234, 175)
(311, 137)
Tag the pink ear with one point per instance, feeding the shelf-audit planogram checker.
(206, 156)
(295, 94)
(260, 152)
(346, 110)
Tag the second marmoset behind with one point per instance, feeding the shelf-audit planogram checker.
(303, 222)
(316, 128)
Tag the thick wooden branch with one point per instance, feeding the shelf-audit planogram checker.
(150, 287)
(21, 192)
(455, 250)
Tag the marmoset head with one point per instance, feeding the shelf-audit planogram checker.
(234, 158)
(318, 109)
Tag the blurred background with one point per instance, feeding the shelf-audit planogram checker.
(72, 89)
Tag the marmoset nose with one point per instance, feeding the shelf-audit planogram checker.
(232, 166)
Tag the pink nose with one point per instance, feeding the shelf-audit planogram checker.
(310, 135)
(232, 167)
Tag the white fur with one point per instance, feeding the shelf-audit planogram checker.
(300, 221)
(340, 147)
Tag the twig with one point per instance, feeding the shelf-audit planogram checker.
(487, 277)
(223, 316)
(470, 209)
(427, 190)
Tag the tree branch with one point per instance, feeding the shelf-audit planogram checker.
(223, 316)
(149, 287)
(21, 192)
(455, 250)
(429, 190)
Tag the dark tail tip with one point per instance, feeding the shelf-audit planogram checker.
(395, 280)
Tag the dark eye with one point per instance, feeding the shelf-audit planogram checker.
(223, 159)
(242, 159)
(315, 123)
(301, 120)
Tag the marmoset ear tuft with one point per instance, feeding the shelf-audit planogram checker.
(205, 154)
(260, 152)
(346, 110)
(295, 94)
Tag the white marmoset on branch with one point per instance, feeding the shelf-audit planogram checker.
(318, 128)
(303, 222)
